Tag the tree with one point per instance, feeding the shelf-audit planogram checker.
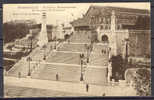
(142, 82)
(13, 31)
(81, 62)
(117, 67)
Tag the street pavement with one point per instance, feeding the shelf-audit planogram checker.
(95, 90)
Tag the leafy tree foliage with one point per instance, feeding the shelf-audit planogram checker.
(12, 31)
(117, 67)
(143, 82)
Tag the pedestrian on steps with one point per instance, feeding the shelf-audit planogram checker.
(87, 87)
(57, 77)
(103, 94)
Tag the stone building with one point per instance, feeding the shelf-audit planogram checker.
(126, 30)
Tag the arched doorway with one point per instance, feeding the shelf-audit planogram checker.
(105, 39)
(105, 47)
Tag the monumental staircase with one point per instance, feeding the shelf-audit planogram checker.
(66, 62)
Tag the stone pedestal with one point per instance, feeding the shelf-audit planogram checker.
(113, 31)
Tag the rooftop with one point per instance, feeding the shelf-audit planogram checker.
(100, 11)
(118, 9)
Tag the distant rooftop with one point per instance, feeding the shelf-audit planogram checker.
(120, 9)
(100, 11)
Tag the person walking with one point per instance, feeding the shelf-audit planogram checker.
(87, 87)
(57, 77)
(103, 94)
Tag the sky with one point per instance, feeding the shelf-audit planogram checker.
(57, 13)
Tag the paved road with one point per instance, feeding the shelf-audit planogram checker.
(69, 87)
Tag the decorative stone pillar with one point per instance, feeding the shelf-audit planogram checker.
(98, 33)
(113, 21)
(109, 71)
(109, 53)
(126, 49)
(113, 32)
(109, 65)
(43, 37)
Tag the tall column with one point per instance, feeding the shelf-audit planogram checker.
(113, 21)
(98, 33)
(109, 71)
(43, 38)
(113, 32)
(126, 48)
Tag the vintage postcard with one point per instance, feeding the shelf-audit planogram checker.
(76, 49)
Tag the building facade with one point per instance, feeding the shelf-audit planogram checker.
(126, 30)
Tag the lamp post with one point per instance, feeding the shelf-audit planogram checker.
(31, 44)
(55, 42)
(31, 37)
(29, 71)
(88, 51)
(88, 48)
(126, 55)
(81, 62)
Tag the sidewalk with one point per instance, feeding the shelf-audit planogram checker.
(94, 90)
